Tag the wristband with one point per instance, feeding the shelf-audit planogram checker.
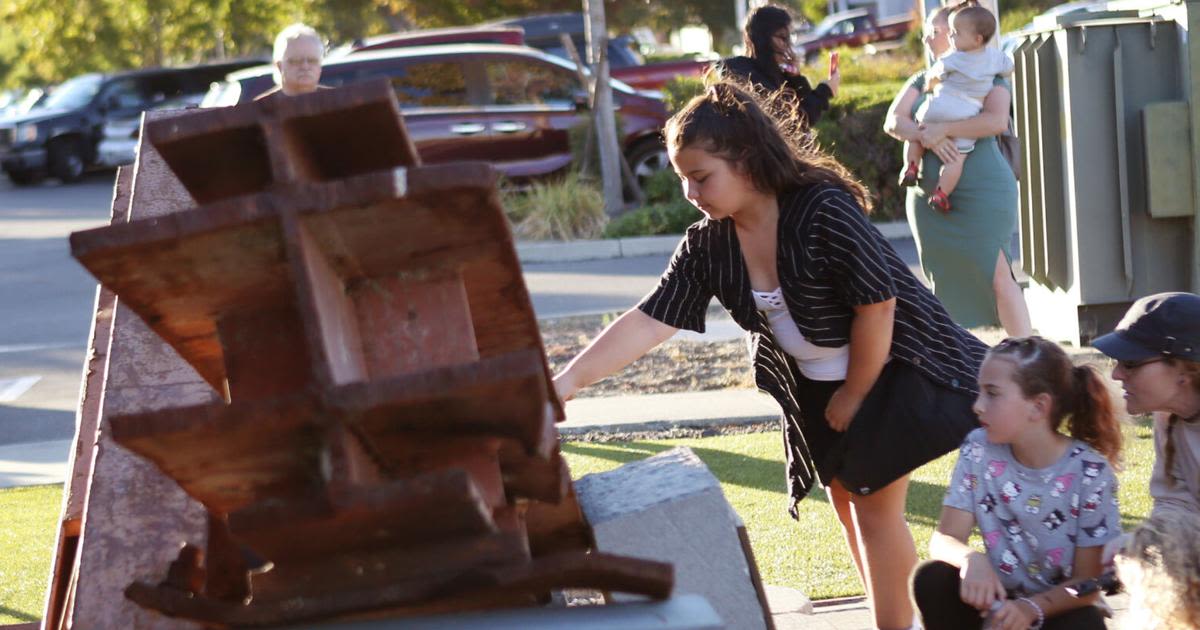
(1041, 616)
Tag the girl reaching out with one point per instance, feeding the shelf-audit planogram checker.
(1045, 502)
(872, 376)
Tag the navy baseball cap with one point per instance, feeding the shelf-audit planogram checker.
(1165, 324)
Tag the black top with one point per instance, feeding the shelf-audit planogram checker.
(812, 101)
(830, 258)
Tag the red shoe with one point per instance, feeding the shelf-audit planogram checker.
(940, 201)
(909, 177)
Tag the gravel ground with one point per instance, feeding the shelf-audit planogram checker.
(674, 366)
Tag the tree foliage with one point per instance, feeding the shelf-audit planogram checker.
(45, 42)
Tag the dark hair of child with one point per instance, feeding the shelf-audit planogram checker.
(1079, 394)
(760, 138)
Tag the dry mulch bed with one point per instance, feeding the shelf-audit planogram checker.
(674, 366)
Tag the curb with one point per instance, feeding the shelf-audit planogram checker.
(603, 249)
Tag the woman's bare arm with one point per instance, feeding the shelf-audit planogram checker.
(623, 342)
(899, 123)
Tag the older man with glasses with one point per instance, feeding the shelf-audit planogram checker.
(297, 58)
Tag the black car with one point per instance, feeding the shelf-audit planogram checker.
(61, 135)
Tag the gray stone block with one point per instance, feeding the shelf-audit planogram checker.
(670, 508)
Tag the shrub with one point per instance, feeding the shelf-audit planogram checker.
(653, 219)
(666, 210)
(679, 90)
(577, 140)
(852, 131)
(861, 66)
(565, 209)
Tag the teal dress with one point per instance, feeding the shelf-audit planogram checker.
(958, 250)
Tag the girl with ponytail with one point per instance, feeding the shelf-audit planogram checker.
(1037, 479)
(872, 376)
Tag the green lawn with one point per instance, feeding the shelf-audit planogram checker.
(809, 555)
(28, 518)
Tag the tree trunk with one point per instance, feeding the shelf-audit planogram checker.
(606, 126)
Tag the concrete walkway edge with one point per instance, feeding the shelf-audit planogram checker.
(573, 251)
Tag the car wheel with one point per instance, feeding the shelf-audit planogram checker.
(647, 158)
(23, 177)
(66, 160)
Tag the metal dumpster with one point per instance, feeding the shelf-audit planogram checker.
(1107, 201)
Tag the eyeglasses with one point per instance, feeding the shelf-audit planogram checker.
(296, 62)
(1130, 366)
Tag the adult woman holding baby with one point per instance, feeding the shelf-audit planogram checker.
(966, 252)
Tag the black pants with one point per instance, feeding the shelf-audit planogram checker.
(935, 590)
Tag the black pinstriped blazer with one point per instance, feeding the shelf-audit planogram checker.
(830, 258)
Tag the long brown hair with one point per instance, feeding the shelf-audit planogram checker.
(1191, 370)
(1078, 392)
(754, 131)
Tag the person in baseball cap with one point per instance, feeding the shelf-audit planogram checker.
(1157, 349)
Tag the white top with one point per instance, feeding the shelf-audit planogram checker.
(817, 363)
(969, 74)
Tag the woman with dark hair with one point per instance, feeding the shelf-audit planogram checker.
(770, 64)
(872, 376)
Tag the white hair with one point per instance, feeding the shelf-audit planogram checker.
(292, 32)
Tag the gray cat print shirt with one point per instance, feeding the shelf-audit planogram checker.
(1032, 520)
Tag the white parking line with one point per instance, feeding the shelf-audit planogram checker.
(29, 347)
(12, 388)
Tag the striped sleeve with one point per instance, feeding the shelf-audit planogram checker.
(853, 248)
(683, 293)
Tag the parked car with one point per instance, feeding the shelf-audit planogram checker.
(850, 28)
(434, 36)
(19, 102)
(625, 63)
(512, 106)
(60, 137)
(119, 142)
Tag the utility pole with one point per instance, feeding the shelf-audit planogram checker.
(596, 33)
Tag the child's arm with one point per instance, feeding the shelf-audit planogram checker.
(1021, 613)
(623, 342)
(980, 584)
(870, 341)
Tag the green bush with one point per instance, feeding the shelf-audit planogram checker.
(852, 131)
(577, 140)
(568, 208)
(679, 90)
(666, 210)
(860, 66)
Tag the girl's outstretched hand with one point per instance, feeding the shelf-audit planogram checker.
(842, 407)
(564, 387)
(980, 584)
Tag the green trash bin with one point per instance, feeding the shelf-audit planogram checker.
(1107, 201)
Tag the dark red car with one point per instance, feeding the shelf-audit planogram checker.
(512, 106)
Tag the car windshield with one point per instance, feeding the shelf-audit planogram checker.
(826, 25)
(74, 93)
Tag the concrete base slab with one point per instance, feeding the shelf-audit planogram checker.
(670, 508)
(682, 612)
(784, 600)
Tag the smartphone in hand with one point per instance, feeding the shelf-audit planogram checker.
(833, 63)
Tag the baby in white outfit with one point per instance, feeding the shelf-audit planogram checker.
(959, 82)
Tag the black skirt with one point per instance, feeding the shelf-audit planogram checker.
(906, 421)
